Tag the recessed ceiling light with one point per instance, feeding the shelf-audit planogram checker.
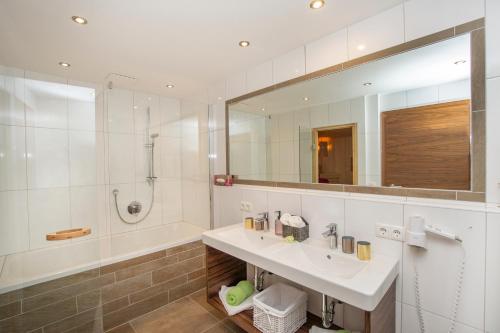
(316, 4)
(64, 64)
(306, 98)
(263, 109)
(135, 107)
(244, 43)
(170, 86)
(79, 19)
(459, 62)
(366, 84)
(361, 47)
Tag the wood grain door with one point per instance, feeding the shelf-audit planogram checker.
(427, 147)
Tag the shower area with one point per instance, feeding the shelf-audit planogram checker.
(104, 192)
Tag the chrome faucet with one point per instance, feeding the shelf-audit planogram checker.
(331, 233)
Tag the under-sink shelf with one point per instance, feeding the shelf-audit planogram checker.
(245, 319)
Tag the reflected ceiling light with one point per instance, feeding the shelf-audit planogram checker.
(306, 98)
(361, 47)
(316, 4)
(135, 107)
(263, 109)
(367, 84)
(79, 19)
(64, 64)
(219, 98)
(170, 86)
(460, 62)
(244, 43)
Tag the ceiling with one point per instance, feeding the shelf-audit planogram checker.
(427, 66)
(187, 43)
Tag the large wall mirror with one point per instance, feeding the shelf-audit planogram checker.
(404, 120)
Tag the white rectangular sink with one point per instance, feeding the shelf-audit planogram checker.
(311, 264)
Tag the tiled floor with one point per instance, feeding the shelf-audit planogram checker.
(190, 314)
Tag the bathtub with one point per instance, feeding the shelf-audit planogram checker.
(28, 268)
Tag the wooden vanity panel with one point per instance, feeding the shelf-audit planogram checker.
(383, 318)
(222, 269)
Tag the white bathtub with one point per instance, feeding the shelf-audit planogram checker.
(32, 267)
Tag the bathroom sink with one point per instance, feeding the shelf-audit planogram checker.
(249, 238)
(323, 260)
(311, 263)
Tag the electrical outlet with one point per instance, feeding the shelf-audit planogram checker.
(397, 233)
(242, 206)
(246, 206)
(382, 230)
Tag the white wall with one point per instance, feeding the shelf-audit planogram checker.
(66, 145)
(358, 213)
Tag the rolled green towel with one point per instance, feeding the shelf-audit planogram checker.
(237, 294)
(247, 287)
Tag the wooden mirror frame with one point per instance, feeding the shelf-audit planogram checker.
(478, 119)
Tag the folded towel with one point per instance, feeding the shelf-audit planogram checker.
(237, 294)
(232, 310)
(297, 222)
(285, 219)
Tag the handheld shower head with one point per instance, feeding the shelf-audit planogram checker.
(154, 135)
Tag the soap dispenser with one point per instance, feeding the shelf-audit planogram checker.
(278, 226)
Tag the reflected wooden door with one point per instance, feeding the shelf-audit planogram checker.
(427, 147)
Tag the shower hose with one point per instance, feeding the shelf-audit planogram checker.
(456, 301)
(151, 202)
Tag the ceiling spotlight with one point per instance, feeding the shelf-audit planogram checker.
(367, 84)
(64, 64)
(79, 19)
(459, 62)
(244, 43)
(263, 109)
(306, 98)
(316, 4)
(170, 86)
(361, 47)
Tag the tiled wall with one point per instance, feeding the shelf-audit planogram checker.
(100, 299)
(358, 213)
(66, 145)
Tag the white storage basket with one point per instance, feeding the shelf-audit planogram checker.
(280, 309)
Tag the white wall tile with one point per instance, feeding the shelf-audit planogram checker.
(121, 158)
(89, 209)
(49, 106)
(143, 157)
(454, 91)
(236, 85)
(217, 92)
(170, 158)
(171, 191)
(438, 265)
(492, 323)
(320, 211)
(196, 202)
(286, 126)
(360, 219)
(376, 33)
(170, 113)
(393, 101)
(289, 65)
(433, 322)
(286, 202)
(287, 157)
(12, 158)
(83, 114)
(260, 76)
(319, 115)
(422, 96)
(12, 96)
(424, 17)
(327, 51)
(48, 211)
(227, 204)
(14, 231)
(339, 113)
(219, 149)
(86, 153)
(492, 37)
(493, 141)
(126, 195)
(120, 111)
(144, 193)
(217, 116)
(48, 161)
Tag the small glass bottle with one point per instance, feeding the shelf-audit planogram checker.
(278, 226)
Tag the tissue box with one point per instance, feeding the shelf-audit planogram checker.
(299, 234)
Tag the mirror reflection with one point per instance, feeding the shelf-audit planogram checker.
(399, 121)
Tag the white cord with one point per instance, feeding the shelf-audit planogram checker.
(456, 302)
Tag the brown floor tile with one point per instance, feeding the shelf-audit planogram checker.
(126, 328)
(200, 297)
(226, 326)
(183, 316)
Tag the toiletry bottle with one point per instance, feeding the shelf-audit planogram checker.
(278, 226)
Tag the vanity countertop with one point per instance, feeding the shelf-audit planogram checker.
(311, 263)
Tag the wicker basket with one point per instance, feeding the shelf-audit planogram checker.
(299, 234)
(280, 309)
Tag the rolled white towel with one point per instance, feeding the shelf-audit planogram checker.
(285, 219)
(297, 222)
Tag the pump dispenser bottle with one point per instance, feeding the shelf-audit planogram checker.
(278, 226)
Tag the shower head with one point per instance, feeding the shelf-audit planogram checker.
(154, 135)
